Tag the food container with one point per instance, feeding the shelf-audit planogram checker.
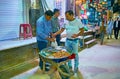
(57, 54)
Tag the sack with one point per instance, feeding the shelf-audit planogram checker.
(54, 44)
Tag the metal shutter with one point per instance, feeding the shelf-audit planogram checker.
(11, 15)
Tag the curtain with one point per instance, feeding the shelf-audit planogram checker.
(70, 5)
(43, 7)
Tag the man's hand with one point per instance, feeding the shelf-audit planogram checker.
(54, 35)
(51, 39)
(58, 32)
(74, 35)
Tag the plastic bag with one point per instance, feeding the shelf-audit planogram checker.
(54, 44)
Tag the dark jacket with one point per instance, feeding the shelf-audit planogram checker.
(114, 25)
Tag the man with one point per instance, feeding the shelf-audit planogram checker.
(56, 25)
(44, 30)
(116, 27)
(74, 28)
(102, 32)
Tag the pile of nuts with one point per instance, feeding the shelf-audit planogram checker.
(60, 54)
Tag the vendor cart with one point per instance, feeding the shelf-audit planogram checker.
(58, 63)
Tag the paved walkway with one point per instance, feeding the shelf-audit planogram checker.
(100, 62)
(97, 62)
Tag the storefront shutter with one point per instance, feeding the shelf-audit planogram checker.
(11, 15)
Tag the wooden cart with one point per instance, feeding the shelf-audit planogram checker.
(59, 66)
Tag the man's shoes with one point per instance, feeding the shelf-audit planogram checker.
(116, 38)
(75, 70)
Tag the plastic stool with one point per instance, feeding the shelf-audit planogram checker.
(25, 31)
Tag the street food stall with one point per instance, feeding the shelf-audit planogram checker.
(58, 58)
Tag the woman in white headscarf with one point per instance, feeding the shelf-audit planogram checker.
(109, 28)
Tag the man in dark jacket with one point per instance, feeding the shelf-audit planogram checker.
(116, 28)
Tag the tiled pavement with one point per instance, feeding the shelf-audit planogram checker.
(100, 62)
(96, 62)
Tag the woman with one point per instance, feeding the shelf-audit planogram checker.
(109, 28)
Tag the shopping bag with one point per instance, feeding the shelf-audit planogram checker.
(54, 44)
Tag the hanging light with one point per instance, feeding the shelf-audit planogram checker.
(88, 13)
